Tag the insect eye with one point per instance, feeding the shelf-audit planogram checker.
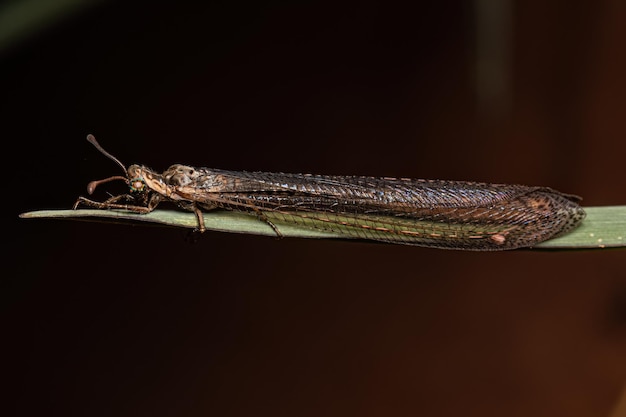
(137, 184)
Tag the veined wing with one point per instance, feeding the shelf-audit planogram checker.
(362, 191)
(446, 214)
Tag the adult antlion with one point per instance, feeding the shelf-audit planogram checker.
(433, 213)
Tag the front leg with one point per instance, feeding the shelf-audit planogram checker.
(112, 204)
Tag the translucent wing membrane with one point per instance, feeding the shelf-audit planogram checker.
(445, 214)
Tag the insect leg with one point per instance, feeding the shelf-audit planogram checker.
(200, 218)
(264, 218)
(192, 206)
(111, 205)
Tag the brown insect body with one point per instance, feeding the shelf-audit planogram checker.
(433, 213)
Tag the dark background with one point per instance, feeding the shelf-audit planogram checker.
(101, 320)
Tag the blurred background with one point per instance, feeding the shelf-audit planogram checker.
(104, 320)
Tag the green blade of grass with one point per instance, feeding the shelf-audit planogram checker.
(218, 220)
(604, 227)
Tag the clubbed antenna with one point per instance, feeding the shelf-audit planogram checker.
(91, 187)
(92, 139)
